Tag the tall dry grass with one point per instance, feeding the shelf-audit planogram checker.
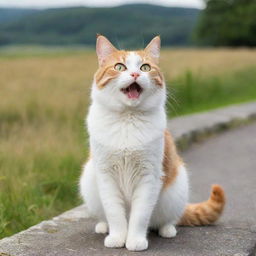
(205, 62)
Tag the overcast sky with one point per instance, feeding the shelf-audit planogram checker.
(61, 3)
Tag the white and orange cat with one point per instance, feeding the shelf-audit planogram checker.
(134, 179)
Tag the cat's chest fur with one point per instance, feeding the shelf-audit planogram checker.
(128, 166)
(127, 146)
(126, 131)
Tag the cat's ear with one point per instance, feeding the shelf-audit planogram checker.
(153, 48)
(103, 48)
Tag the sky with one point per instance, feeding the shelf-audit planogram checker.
(96, 3)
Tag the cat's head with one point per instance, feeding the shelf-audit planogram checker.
(128, 79)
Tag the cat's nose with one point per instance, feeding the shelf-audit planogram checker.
(135, 75)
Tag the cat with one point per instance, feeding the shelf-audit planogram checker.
(134, 179)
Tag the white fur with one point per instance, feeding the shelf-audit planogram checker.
(121, 183)
(167, 231)
(101, 228)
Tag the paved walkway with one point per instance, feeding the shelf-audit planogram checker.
(228, 159)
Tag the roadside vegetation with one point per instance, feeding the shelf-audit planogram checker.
(191, 93)
(44, 98)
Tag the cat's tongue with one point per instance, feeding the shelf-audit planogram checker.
(133, 92)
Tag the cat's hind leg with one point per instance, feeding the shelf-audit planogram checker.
(171, 205)
(168, 230)
(90, 194)
(101, 227)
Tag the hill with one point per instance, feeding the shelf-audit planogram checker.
(11, 14)
(127, 25)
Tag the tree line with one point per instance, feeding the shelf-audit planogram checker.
(221, 23)
(227, 23)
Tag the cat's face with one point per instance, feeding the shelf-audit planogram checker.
(128, 78)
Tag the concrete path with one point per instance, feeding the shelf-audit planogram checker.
(228, 159)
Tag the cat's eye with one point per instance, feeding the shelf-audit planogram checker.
(120, 67)
(145, 68)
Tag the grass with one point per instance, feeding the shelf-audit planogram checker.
(44, 98)
(193, 93)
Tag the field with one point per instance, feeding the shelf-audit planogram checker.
(44, 98)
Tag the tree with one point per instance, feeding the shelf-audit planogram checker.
(227, 23)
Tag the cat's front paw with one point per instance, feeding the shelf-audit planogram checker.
(137, 244)
(114, 241)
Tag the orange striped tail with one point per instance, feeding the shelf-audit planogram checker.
(205, 213)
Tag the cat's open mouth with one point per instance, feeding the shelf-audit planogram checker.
(133, 91)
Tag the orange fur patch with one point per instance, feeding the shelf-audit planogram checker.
(204, 213)
(157, 76)
(171, 161)
(106, 71)
(155, 72)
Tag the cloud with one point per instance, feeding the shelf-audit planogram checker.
(62, 3)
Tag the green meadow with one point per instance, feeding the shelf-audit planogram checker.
(44, 99)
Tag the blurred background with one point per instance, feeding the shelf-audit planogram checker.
(47, 61)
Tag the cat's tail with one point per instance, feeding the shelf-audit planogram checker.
(205, 213)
